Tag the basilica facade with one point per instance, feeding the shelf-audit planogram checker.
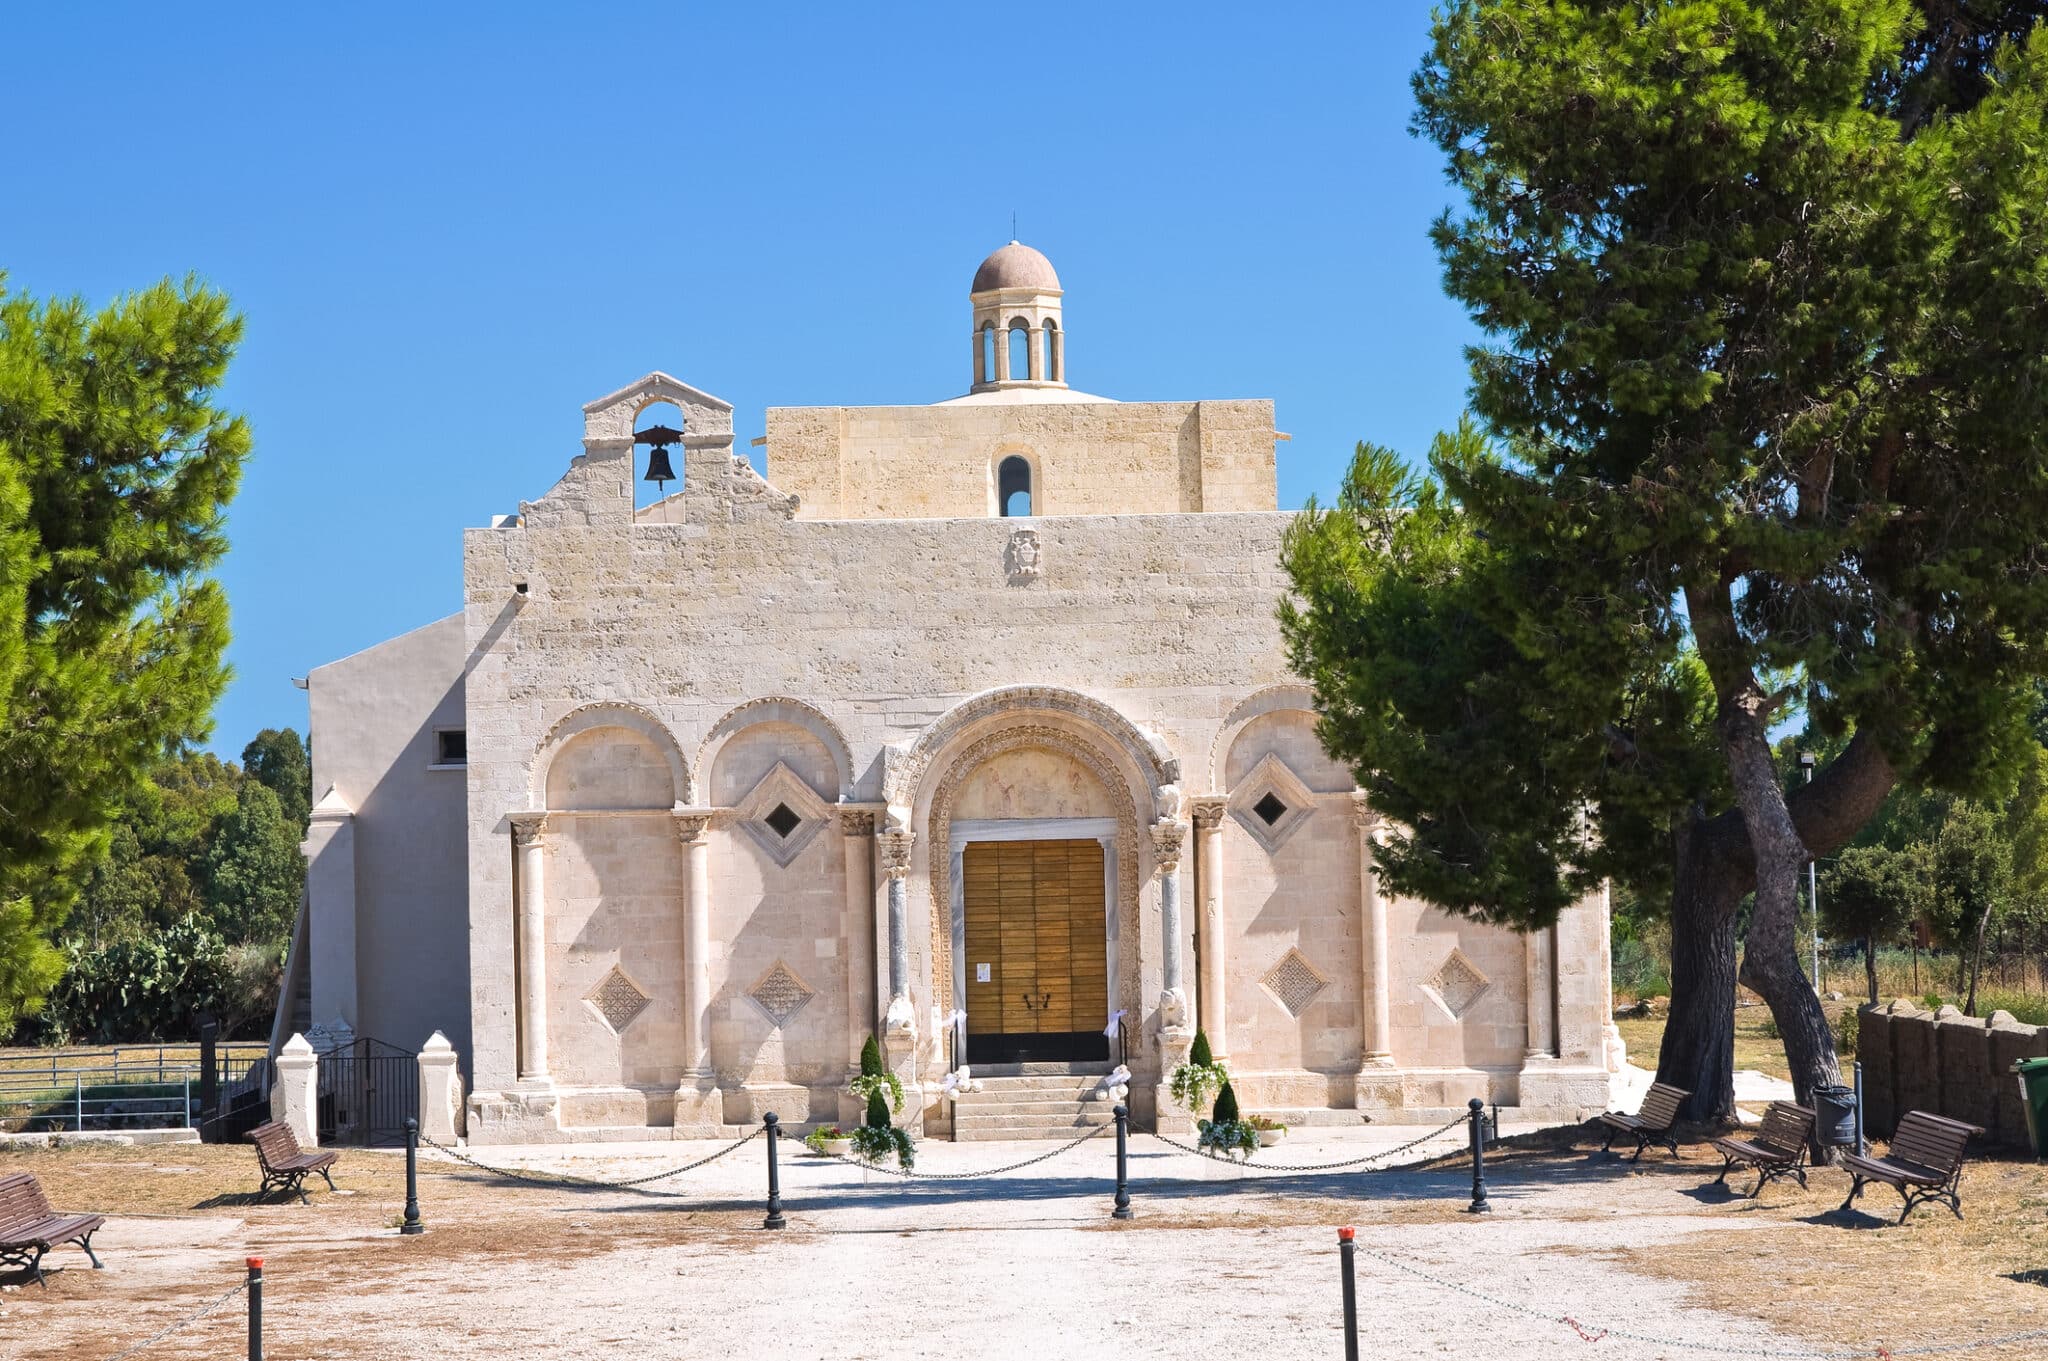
(967, 726)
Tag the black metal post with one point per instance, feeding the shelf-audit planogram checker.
(774, 1219)
(412, 1223)
(1123, 1190)
(1345, 1251)
(1861, 1151)
(209, 1069)
(255, 1309)
(1478, 1121)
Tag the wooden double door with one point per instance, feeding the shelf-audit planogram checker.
(1037, 959)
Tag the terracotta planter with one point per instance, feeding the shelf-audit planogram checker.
(1270, 1137)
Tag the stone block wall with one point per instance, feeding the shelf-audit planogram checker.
(1948, 1063)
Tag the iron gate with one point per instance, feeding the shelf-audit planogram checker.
(368, 1090)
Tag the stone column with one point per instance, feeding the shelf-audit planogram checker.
(1002, 352)
(856, 834)
(440, 1091)
(1377, 1083)
(294, 1096)
(1539, 949)
(1168, 837)
(894, 849)
(700, 1109)
(527, 831)
(1208, 816)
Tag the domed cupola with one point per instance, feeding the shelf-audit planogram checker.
(1018, 340)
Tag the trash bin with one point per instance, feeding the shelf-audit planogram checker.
(2034, 1096)
(1834, 1110)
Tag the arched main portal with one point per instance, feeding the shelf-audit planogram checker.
(1035, 876)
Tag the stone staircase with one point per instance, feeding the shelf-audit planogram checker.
(1032, 1101)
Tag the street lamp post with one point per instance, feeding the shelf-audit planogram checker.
(1806, 764)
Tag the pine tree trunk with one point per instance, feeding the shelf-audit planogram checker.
(1698, 1053)
(1870, 966)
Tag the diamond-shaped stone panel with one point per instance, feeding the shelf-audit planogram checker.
(781, 994)
(617, 998)
(1294, 982)
(1458, 983)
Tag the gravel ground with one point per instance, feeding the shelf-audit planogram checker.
(1024, 1264)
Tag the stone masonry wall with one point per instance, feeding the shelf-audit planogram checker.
(1948, 1063)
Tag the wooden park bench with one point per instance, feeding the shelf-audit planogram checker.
(1653, 1124)
(29, 1227)
(1924, 1162)
(1778, 1148)
(284, 1163)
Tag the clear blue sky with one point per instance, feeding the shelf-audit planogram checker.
(451, 226)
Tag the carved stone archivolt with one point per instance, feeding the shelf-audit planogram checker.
(902, 773)
(1038, 737)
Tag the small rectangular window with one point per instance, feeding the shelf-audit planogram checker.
(451, 747)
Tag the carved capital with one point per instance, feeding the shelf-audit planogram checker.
(895, 852)
(527, 829)
(1208, 813)
(1363, 815)
(1167, 839)
(857, 821)
(690, 827)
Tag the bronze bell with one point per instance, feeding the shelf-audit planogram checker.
(660, 436)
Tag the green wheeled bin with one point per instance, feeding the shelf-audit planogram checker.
(2034, 1096)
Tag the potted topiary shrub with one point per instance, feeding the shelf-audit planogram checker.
(875, 1079)
(1271, 1131)
(829, 1141)
(1224, 1133)
(877, 1138)
(1194, 1081)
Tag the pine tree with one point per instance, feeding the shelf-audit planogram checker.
(115, 469)
(278, 757)
(1225, 1112)
(254, 871)
(1760, 417)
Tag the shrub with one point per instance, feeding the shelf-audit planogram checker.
(1199, 1054)
(1848, 1027)
(1226, 1107)
(878, 1111)
(871, 1059)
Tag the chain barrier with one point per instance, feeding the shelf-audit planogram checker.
(184, 1322)
(1251, 1166)
(1589, 1332)
(913, 1175)
(555, 1179)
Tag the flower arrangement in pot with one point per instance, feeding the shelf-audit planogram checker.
(876, 1139)
(874, 1079)
(1271, 1131)
(1194, 1081)
(1224, 1133)
(829, 1141)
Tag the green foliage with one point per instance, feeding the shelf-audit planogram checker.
(115, 469)
(872, 1143)
(144, 988)
(1848, 1029)
(1191, 1082)
(278, 759)
(1226, 1106)
(1224, 1132)
(871, 1059)
(878, 1111)
(824, 1134)
(1874, 893)
(1199, 1052)
(253, 869)
(874, 1079)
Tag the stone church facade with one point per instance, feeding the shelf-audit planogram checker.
(968, 726)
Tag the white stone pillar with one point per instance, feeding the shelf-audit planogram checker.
(1376, 1037)
(1539, 950)
(527, 832)
(1168, 837)
(894, 849)
(440, 1091)
(1208, 817)
(294, 1095)
(856, 835)
(700, 1107)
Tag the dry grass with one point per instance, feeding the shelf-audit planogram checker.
(1755, 1045)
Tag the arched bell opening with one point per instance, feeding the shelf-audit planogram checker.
(658, 447)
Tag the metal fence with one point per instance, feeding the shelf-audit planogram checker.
(114, 1088)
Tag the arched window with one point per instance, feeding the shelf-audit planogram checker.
(1013, 487)
(988, 353)
(1020, 350)
(1054, 361)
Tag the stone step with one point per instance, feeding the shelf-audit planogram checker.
(967, 1107)
(1010, 1070)
(990, 1086)
(1024, 1126)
